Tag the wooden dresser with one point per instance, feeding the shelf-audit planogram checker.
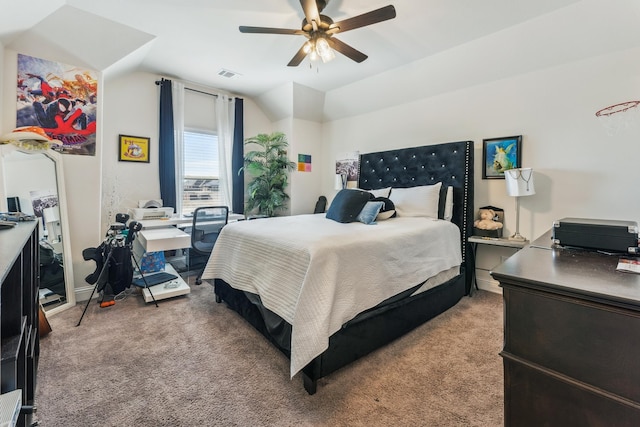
(571, 338)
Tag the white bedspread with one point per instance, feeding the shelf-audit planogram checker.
(317, 274)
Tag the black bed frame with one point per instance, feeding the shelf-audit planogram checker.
(449, 163)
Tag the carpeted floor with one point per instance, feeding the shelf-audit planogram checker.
(193, 362)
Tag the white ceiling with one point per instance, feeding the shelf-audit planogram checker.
(194, 39)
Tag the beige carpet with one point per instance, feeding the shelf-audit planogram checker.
(192, 362)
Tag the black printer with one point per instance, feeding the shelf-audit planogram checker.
(599, 234)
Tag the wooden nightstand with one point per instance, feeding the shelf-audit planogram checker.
(488, 260)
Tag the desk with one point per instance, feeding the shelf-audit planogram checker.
(163, 239)
(571, 338)
(160, 240)
(179, 221)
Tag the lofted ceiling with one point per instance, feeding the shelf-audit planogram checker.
(194, 40)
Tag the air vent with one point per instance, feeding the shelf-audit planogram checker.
(228, 74)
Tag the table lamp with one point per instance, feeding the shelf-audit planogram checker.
(52, 223)
(519, 183)
(340, 181)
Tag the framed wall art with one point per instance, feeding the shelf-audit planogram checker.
(499, 155)
(133, 149)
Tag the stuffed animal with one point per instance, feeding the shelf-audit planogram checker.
(486, 221)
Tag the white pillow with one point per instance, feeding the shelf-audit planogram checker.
(381, 192)
(448, 204)
(417, 201)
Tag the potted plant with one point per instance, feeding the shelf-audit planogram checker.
(270, 169)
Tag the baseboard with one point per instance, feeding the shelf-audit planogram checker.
(84, 293)
(489, 285)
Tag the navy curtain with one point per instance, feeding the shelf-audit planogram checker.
(166, 150)
(237, 158)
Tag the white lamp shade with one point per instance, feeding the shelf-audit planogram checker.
(519, 182)
(338, 185)
(51, 214)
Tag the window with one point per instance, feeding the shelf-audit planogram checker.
(201, 171)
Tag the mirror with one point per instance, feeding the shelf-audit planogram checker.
(32, 182)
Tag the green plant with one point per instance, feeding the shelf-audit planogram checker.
(270, 168)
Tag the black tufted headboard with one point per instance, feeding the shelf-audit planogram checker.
(450, 163)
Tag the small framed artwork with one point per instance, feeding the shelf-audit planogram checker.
(133, 149)
(499, 155)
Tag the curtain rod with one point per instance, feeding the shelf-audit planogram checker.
(199, 91)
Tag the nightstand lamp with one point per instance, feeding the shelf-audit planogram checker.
(519, 183)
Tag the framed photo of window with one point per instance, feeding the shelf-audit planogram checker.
(499, 155)
(133, 149)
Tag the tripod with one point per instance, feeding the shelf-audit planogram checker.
(115, 241)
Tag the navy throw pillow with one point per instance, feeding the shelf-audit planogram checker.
(347, 204)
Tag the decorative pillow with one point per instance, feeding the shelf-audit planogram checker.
(417, 201)
(388, 209)
(369, 212)
(347, 204)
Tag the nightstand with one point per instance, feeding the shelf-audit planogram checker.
(487, 260)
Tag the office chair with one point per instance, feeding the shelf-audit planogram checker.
(321, 205)
(207, 224)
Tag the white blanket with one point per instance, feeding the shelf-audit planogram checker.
(317, 274)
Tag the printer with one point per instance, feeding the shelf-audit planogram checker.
(150, 209)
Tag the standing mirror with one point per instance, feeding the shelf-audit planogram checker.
(32, 182)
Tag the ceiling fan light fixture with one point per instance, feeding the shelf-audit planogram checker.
(308, 47)
(324, 50)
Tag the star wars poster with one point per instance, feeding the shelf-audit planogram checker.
(61, 99)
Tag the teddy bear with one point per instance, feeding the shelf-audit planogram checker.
(486, 221)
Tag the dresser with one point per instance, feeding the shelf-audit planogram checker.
(571, 351)
(19, 338)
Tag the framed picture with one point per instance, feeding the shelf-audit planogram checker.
(499, 155)
(133, 149)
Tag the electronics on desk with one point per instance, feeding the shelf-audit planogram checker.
(151, 209)
(598, 234)
(13, 204)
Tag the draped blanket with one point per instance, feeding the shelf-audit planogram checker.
(317, 274)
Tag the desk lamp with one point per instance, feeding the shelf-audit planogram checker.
(519, 183)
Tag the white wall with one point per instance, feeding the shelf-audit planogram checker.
(580, 170)
(82, 174)
(306, 138)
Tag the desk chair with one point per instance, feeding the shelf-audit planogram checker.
(205, 229)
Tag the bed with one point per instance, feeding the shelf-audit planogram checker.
(327, 300)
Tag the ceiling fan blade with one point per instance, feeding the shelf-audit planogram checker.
(346, 50)
(297, 58)
(266, 30)
(373, 17)
(310, 10)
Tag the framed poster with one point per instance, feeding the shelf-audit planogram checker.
(499, 155)
(133, 149)
(61, 99)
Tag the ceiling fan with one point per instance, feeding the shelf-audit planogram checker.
(320, 29)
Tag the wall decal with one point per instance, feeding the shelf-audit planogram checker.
(304, 162)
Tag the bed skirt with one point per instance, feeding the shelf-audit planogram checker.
(368, 331)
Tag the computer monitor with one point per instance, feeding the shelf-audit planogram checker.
(13, 204)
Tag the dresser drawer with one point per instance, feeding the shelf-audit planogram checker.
(590, 343)
(535, 399)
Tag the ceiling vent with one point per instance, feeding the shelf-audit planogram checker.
(228, 74)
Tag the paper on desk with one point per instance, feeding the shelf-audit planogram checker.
(628, 265)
